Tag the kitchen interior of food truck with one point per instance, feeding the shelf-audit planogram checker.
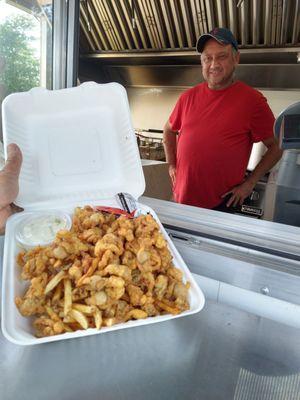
(244, 343)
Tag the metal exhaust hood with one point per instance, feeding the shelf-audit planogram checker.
(152, 42)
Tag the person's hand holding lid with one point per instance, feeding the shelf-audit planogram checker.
(9, 184)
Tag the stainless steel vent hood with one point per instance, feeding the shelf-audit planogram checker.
(141, 25)
(152, 42)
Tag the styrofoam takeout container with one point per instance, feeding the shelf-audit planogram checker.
(79, 148)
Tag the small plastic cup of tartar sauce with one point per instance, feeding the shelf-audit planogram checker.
(40, 229)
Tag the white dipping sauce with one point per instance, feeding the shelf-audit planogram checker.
(42, 229)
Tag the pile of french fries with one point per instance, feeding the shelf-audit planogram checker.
(107, 269)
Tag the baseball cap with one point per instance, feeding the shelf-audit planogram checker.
(222, 35)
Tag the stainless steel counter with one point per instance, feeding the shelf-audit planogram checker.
(223, 352)
(220, 353)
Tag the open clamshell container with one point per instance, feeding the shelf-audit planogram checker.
(79, 148)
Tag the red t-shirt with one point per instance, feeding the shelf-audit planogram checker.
(217, 129)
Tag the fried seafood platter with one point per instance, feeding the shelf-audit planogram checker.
(107, 270)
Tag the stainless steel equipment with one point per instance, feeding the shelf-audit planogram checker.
(150, 142)
(287, 129)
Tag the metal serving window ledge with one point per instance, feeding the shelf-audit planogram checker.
(246, 263)
(242, 345)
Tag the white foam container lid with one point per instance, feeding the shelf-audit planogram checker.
(78, 144)
(79, 148)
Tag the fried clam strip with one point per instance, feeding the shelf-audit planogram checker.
(86, 218)
(106, 270)
(50, 324)
(33, 263)
(119, 270)
(34, 299)
(123, 227)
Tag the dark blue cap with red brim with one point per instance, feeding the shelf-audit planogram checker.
(222, 35)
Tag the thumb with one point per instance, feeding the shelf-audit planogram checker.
(14, 160)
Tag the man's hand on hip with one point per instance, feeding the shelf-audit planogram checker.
(239, 193)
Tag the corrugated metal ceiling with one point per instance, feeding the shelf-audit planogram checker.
(163, 25)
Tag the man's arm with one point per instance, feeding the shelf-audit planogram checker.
(170, 145)
(9, 185)
(270, 158)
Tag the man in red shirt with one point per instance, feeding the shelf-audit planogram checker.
(209, 135)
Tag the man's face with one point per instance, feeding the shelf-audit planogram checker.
(218, 64)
